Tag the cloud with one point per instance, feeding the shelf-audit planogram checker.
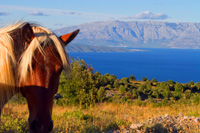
(3, 13)
(148, 15)
(37, 13)
(71, 13)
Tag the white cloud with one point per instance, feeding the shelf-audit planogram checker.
(147, 15)
(3, 13)
(40, 11)
(71, 13)
(37, 13)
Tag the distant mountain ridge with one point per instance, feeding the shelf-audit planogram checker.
(147, 34)
(89, 48)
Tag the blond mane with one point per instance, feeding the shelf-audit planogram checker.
(8, 61)
(42, 35)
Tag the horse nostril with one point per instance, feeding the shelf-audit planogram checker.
(33, 125)
(50, 126)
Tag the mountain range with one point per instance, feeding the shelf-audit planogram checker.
(140, 34)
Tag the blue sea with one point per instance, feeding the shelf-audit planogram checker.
(179, 65)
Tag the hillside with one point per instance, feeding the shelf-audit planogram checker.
(151, 34)
(89, 48)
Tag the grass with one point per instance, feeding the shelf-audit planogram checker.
(100, 118)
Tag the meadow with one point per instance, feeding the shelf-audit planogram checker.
(91, 102)
(100, 118)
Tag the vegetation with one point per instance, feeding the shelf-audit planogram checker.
(92, 102)
(84, 87)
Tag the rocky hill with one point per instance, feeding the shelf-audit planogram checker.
(151, 34)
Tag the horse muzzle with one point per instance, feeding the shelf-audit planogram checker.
(38, 127)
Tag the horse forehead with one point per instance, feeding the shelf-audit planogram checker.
(49, 58)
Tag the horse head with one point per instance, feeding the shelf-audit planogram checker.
(42, 81)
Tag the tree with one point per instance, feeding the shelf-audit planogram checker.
(116, 83)
(197, 85)
(122, 89)
(187, 94)
(80, 86)
(155, 93)
(144, 78)
(132, 78)
(191, 82)
(135, 93)
(154, 80)
(101, 94)
(178, 90)
(170, 82)
(166, 93)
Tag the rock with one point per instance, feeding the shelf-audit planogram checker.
(136, 126)
(192, 117)
(126, 131)
(111, 131)
(186, 117)
(166, 115)
(197, 120)
(180, 114)
(109, 94)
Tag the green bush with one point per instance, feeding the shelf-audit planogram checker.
(154, 80)
(191, 82)
(122, 89)
(178, 91)
(116, 83)
(125, 80)
(144, 79)
(101, 94)
(156, 92)
(196, 98)
(171, 82)
(187, 94)
(81, 85)
(132, 78)
(135, 93)
(197, 85)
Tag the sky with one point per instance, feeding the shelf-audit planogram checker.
(55, 14)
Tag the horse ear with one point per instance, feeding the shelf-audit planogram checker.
(27, 33)
(67, 38)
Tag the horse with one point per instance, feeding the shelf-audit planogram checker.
(31, 60)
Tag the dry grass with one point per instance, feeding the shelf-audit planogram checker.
(101, 118)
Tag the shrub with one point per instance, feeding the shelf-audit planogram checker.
(116, 83)
(117, 99)
(197, 85)
(170, 82)
(101, 94)
(178, 88)
(155, 93)
(187, 94)
(196, 98)
(132, 78)
(166, 93)
(154, 80)
(144, 78)
(122, 89)
(135, 93)
(81, 85)
(191, 82)
(125, 80)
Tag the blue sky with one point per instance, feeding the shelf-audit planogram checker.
(61, 13)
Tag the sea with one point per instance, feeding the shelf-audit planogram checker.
(179, 65)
